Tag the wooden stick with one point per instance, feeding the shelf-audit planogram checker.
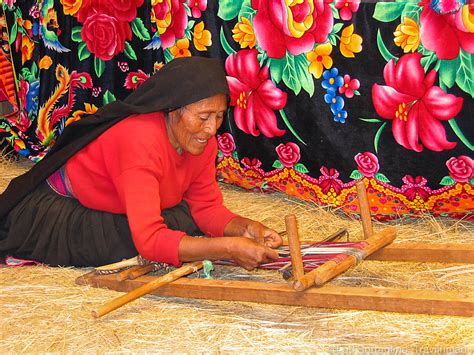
(142, 270)
(331, 269)
(120, 264)
(364, 209)
(123, 275)
(452, 303)
(147, 288)
(295, 247)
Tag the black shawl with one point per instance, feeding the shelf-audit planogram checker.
(179, 83)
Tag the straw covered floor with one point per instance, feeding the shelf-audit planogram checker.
(42, 310)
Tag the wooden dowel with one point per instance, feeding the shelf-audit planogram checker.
(123, 275)
(331, 269)
(147, 288)
(295, 247)
(364, 209)
(142, 270)
(120, 264)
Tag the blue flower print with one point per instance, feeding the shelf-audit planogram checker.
(336, 102)
(332, 80)
(340, 116)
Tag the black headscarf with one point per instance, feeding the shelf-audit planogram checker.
(179, 83)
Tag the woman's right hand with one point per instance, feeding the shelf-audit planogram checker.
(249, 254)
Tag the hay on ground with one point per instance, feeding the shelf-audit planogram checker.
(42, 310)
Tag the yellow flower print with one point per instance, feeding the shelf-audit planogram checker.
(181, 48)
(202, 37)
(45, 62)
(407, 35)
(350, 42)
(70, 7)
(243, 34)
(27, 46)
(467, 14)
(320, 58)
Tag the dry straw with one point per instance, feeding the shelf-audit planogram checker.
(42, 310)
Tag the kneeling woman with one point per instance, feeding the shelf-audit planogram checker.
(137, 177)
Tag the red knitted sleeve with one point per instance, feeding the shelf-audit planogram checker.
(138, 189)
(205, 199)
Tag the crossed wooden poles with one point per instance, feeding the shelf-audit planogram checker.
(384, 299)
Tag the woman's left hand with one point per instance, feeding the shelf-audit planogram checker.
(254, 230)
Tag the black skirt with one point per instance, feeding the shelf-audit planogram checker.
(59, 231)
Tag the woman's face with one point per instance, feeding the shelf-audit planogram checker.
(190, 127)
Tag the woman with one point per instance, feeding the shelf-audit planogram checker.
(136, 177)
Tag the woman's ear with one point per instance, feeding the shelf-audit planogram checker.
(175, 115)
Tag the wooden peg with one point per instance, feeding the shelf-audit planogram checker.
(295, 247)
(364, 209)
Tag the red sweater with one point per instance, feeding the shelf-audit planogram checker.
(133, 169)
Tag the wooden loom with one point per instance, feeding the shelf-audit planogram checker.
(299, 292)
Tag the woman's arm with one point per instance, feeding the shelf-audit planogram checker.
(246, 241)
(247, 252)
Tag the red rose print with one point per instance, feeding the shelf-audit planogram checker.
(288, 154)
(123, 10)
(105, 35)
(226, 143)
(367, 163)
(171, 19)
(461, 168)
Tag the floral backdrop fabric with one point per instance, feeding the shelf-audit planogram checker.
(324, 93)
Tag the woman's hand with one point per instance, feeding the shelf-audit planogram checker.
(249, 253)
(240, 226)
(247, 242)
(262, 234)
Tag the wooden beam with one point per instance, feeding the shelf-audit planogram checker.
(377, 299)
(421, 252)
